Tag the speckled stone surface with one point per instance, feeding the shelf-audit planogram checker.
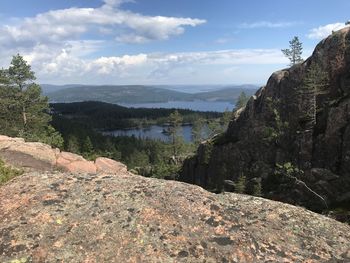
(60, 217)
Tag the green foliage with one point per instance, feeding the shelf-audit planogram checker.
(7, 173)
(208, 148)
(242, 100)
(23, 110)
(72, 144)
(316, 79)
(294, 52)
(106, 116)
(270, 134)
(46, 135)
(257, 189)
(288, 169)
(278, 130)
(197, 130)
(315, 83)
(175, 121)
(138, 159)
(165, 170)
(87, 148)
(226, 118)
(240, 184)
(77, 121)
(214, 127)
(20, 73)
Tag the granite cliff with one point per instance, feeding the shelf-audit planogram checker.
(54, 213)
(292, 138)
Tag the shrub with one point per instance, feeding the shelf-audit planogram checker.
(7, 173)
(240, 185)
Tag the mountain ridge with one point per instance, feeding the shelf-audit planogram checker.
(142, 94)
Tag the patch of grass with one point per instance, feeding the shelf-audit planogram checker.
(7, 173)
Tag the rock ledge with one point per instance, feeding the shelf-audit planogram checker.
(62, 217)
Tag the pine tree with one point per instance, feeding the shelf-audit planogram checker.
(197, 128)
(175, 121)
(23, 110)
(294, 52)
(242, 100)
(10, 121)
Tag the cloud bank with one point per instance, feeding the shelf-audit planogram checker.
(65, 46)
(267, 24)
(324, 31)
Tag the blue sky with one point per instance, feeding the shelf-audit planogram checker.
(161, 41)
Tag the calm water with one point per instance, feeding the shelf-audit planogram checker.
(198, 105)
(154, 132)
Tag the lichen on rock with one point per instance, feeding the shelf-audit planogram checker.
(62, 217)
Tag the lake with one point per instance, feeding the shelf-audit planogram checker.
(154, 132)
(197, 105)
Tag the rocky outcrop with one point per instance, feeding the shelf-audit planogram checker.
(39, 156)
(60, 217)
(287, 126)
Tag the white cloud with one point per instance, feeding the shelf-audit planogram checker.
(223, 40)
(267, 24)
(54, 44)
(71, 23)
(324, 31)
(154, 67)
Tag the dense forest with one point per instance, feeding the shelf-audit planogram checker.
(105, 116)
(76, 127)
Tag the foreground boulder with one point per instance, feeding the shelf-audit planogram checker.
(59, 217)
(290, 124)
(39, 156)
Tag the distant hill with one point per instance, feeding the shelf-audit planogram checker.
(138, 94)
(116, 94)
(48, 88)
(226, 94)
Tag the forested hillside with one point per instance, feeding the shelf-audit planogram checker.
(142, 94)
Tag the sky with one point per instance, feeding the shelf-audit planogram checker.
(162, 42)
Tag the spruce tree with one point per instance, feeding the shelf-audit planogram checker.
(87, 147)
(294, 52)
(240, 184)
(73, 144)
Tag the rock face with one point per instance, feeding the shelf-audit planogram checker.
(39, 156)
(287, 123)
(59, 217)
